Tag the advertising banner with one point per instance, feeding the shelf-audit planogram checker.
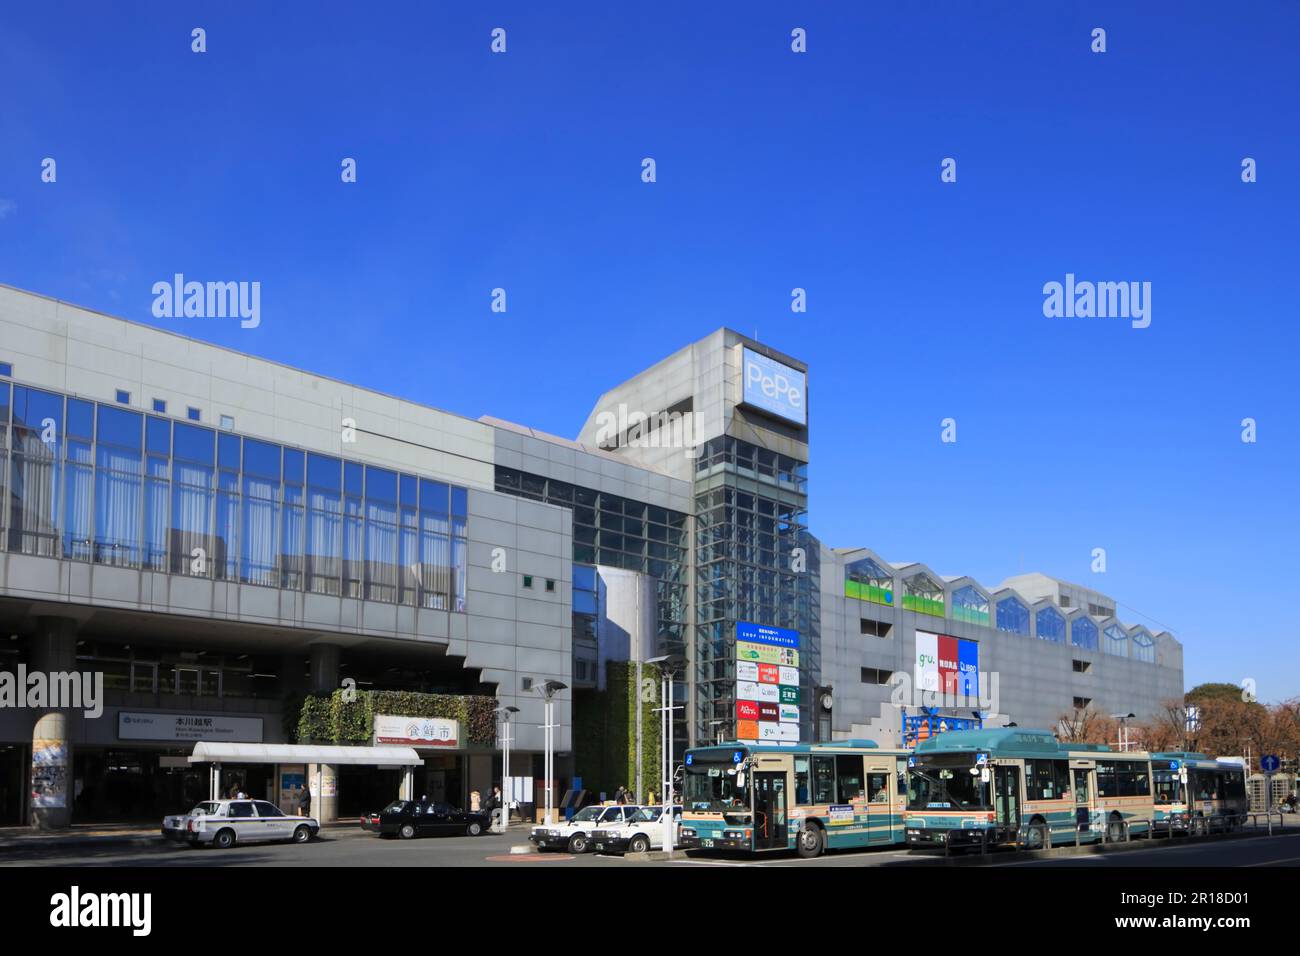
(766, 654)
(769, 730)
(747, 710)
(789, 712)
(788, 695)
(49, 773)
(416, 731)
(788, 675)
(769, 674)
(747, 670)
(769, 712)
(747, 690)
(946, 665)
(789, 733)
(762, 634)
(773, 387)
(747, 729)
(840, 816)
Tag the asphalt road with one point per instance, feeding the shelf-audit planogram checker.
(355, 848)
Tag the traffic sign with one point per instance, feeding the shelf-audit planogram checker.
(1269, 764)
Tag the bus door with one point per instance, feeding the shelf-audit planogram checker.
(880, 802)
(1006, 799)
(770, 817)
(1082, 785)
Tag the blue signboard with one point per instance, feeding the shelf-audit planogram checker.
(924, 726)
(775, 388)
(968, 668)
(762, 634)
(1269, 764)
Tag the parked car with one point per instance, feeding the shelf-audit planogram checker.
(642, 833)
(575, 835)
(223, 823)
(412, 818)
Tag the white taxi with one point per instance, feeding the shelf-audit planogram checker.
(223, 823)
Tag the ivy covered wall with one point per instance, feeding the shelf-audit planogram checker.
(347, 717)
(604, 731)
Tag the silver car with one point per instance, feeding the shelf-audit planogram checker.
(223, 823)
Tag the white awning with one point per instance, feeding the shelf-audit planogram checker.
(205, 752)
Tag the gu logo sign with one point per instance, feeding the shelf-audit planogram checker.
(774, 388)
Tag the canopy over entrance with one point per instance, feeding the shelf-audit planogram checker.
(207, 752)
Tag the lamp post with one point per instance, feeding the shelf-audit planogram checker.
(1123, 729)
(669, 665)
(503, 818)
(548, 690)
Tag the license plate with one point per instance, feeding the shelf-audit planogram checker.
(706, 843)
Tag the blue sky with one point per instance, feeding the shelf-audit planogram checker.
(775, 170)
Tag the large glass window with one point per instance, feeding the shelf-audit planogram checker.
(324, 524)
(260, 548)
(354, 540)
(971, 605)
(1144, 648)
(78, 480)
(229, 501)
(34, 477)
(867, 580)
(157, 491)
(923, 594)
(1013, 616)
(381, 535)
(1083, 633)
(435, 544)
(292, 520)
(1116, 641)
(1051, 625)
(194, 456)
(119, 486)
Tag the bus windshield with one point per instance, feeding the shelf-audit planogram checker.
(945, 788)
(1169, 788)
(711, 786)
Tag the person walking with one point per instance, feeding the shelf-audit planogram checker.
(304, 801)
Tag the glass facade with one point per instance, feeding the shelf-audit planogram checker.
(1051, 625)
(1013, 616)
(1116, 641)
(866, 580)
(971, 605)
(1083, 633)
(1144, 647)
(923, 594)
(617, 532)
(94, 482)
(751, 510)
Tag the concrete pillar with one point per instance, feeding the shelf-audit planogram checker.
(324, 668)
(323, 780)
(293, 676)
(53, 649)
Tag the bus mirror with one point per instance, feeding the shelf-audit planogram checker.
(1182, 776)
(984, 775)
(740, 778)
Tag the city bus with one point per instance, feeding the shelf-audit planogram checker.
(1196, 793)
(1008, 786)
(759, 798)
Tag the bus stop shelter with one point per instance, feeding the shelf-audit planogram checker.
(215, 754)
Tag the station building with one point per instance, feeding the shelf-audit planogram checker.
(229, 541)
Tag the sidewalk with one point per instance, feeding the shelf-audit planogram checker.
(117, 834)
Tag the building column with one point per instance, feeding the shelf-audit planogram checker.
(325, 668)
(323, 780)
(53, 649)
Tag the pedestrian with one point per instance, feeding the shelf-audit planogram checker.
(304, 801)
(621, 796)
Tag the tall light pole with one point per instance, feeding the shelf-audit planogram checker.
(504, 816)
(1123, 729)
(548, 690)
(669, 665)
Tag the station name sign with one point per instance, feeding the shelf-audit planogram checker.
(206, 727)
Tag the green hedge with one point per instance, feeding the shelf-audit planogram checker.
(337, 720)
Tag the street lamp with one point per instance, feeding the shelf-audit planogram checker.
(505, 714)
(548, 690)
(669, 665)
(1123, 728)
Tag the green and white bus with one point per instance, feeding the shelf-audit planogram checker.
(759, 798)
(1196, 793)
(1008, 786)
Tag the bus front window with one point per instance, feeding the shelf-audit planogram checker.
(1168, 789)
(946, 788)
(712, 787)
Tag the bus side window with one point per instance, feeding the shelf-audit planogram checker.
(878, 787)
(800, 780)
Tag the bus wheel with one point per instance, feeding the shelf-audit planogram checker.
(1114, 830)
(1034, 836)
(810, 843)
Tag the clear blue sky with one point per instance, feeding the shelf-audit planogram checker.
(775, 170)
